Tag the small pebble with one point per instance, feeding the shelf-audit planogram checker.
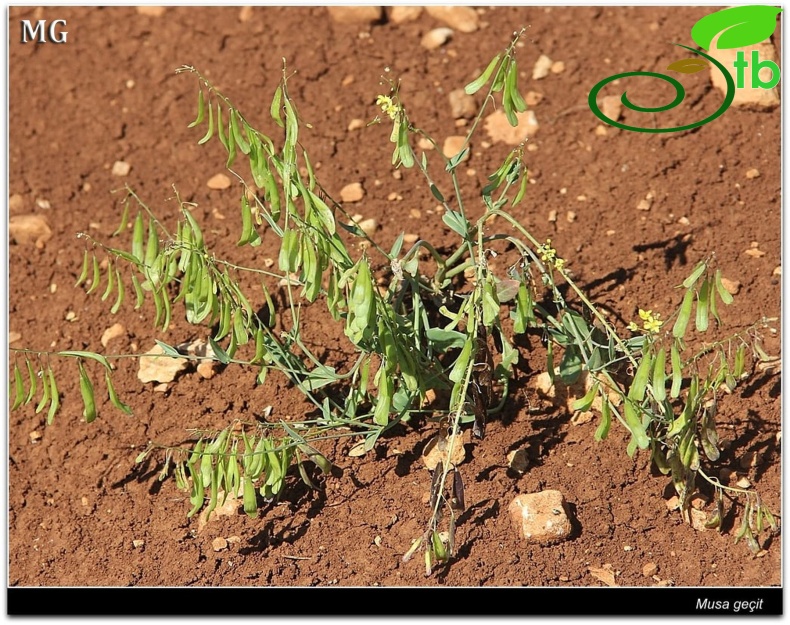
(71, 316)
(557, 67)
(121, 168)
(552, 216)
(570, 216)
(218, 182)
(352, 192)
(542, 67)
(753, 173)
(731, 286)
(137, 544)
(436, 38)
(35, 436)
(13, 337)
(650, 569)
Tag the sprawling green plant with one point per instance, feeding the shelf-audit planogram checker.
(440, 325)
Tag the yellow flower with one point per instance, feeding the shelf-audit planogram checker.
(559, 264)
(388, 106)
(652, 321)
(547, 253)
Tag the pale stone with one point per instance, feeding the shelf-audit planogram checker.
(121, 168)
(43, 203)
(26, 229)
(777, 271)
(612, 107)
(355, 15)
(753, 173)
(698, 518)
(152, 11)
(230, 507)
(452, 146)
(356, 124)
(207, 369)
(410, 239)
(113, 332)
(462, 104)
(533, 98)
(731, 286)
(157, 368)
(401, 14)
(542, 67)
(137, 543)
(35, 436)
(601, 131)
(13, 337)
(245, 14)
(16, 203)
(461, 18)
(439, 449)
(368, 226)
(436, 38)
(500, 131)
(650, 569)
(218, 182)
(552, 215)
(557, 67)
(605, 574)
(747, 96)
(570, 216)
(352, 192)
(424, 144)
(542, 517)
(219, 544)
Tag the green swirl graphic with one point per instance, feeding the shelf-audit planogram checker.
(680, 94)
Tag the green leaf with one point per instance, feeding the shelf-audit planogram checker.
(201, 110)
(235, 132)
(88, 399)
(659, 375)
(114, 396)
(459, 368)
(724, 294)
(606, 419)
(53, 391)
(19, 388)
(33, 382)
(210, 129)
(703, 297)
(436, 193)
(634, 423)
(583, 404)
(571, 365)
(274, 110)
(698, 271)
(90, 355)
(250, 498)
(456, 222)
(638, 387)
(84, 273)
(478, 83)
(45, 394)
(221, 354)
(681, 323)
(442, 340)
(96, 277)
(677, 373)
(739, 27)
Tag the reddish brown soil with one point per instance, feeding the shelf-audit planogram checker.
(76, 500)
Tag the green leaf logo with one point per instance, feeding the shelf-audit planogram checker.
(739, 26)
(687, 66)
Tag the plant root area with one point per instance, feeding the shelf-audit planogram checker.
(82, 513)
